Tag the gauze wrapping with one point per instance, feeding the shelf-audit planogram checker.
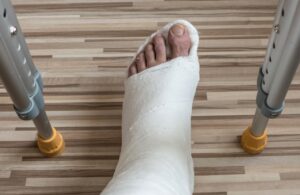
(156, 127)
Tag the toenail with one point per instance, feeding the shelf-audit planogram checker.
(178, 29)
(159, 42)
(158, 38)
(149, 47)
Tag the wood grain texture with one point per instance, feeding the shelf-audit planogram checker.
(82, 48)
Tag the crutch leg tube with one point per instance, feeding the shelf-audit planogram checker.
(276, 74)
(23, 81)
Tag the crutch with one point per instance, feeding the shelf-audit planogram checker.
(23, 82)
(276, 74)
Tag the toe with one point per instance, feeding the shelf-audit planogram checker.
(150, 56)
(140, 62)
(179, 41)
(160, 49)
(132, 69)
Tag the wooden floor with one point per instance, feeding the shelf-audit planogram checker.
(82, 48)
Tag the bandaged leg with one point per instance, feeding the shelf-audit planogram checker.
(156, 127)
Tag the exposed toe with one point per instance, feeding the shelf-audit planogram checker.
(179, 41)
(150, 56)
(159, 48)
(132, 69)
(140, 62)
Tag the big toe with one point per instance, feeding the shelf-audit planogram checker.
(179, 41)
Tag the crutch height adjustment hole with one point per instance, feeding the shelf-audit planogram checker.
(267, 71)
(282, 12)
(273, 45)
(270, 59)
(4, 13)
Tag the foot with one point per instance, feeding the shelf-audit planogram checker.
(155, 51)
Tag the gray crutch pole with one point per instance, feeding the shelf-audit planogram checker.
(276, 74)
(23, 81)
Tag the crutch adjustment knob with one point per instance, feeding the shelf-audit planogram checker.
(13, 30)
